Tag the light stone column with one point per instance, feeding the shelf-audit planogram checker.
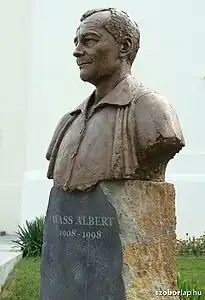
(146, 217)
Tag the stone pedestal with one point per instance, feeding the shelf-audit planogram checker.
(147, 222)
(114, 242)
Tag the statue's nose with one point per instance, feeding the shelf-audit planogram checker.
(79, 51)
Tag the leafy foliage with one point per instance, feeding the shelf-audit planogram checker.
(191, 247)
(195, 291)
(30, 237)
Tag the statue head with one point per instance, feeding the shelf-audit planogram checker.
(106, 40)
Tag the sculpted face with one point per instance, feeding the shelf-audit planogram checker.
(97, 51)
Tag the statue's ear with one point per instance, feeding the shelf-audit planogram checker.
(126, 47)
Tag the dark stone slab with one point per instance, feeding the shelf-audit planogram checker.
(82, 255)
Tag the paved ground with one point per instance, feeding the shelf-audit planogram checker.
(9, 256)
(7, 249)
(6, 243)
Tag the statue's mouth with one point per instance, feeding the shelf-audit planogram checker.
(83, 64)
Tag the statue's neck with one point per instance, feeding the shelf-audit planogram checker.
(108, 85)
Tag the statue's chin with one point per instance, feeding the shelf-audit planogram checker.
(85, 76)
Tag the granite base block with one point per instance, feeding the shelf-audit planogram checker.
(115, 242)
(147, 222)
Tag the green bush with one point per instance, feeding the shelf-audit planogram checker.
(191, 247)
(30, 237)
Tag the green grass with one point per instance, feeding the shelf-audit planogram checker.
(192, 268)
(23, 283)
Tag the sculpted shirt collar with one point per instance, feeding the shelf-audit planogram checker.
(121, 95)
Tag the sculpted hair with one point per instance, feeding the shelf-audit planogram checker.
(119, 25)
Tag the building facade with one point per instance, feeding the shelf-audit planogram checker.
(40, 83)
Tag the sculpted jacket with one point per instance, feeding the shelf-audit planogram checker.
(131, 133)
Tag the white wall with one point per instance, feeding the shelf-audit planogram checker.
(15, 49)
(171, 60)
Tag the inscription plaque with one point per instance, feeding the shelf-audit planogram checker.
(82, 251)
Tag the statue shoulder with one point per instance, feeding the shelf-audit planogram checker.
(148, 97)
(61, 123)
(63, 120)
(152, 105)
(155, 116)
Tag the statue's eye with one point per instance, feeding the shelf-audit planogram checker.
(89, 41)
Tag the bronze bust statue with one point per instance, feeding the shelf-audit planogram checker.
(123, 130)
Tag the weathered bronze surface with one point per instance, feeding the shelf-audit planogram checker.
(122, 130)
